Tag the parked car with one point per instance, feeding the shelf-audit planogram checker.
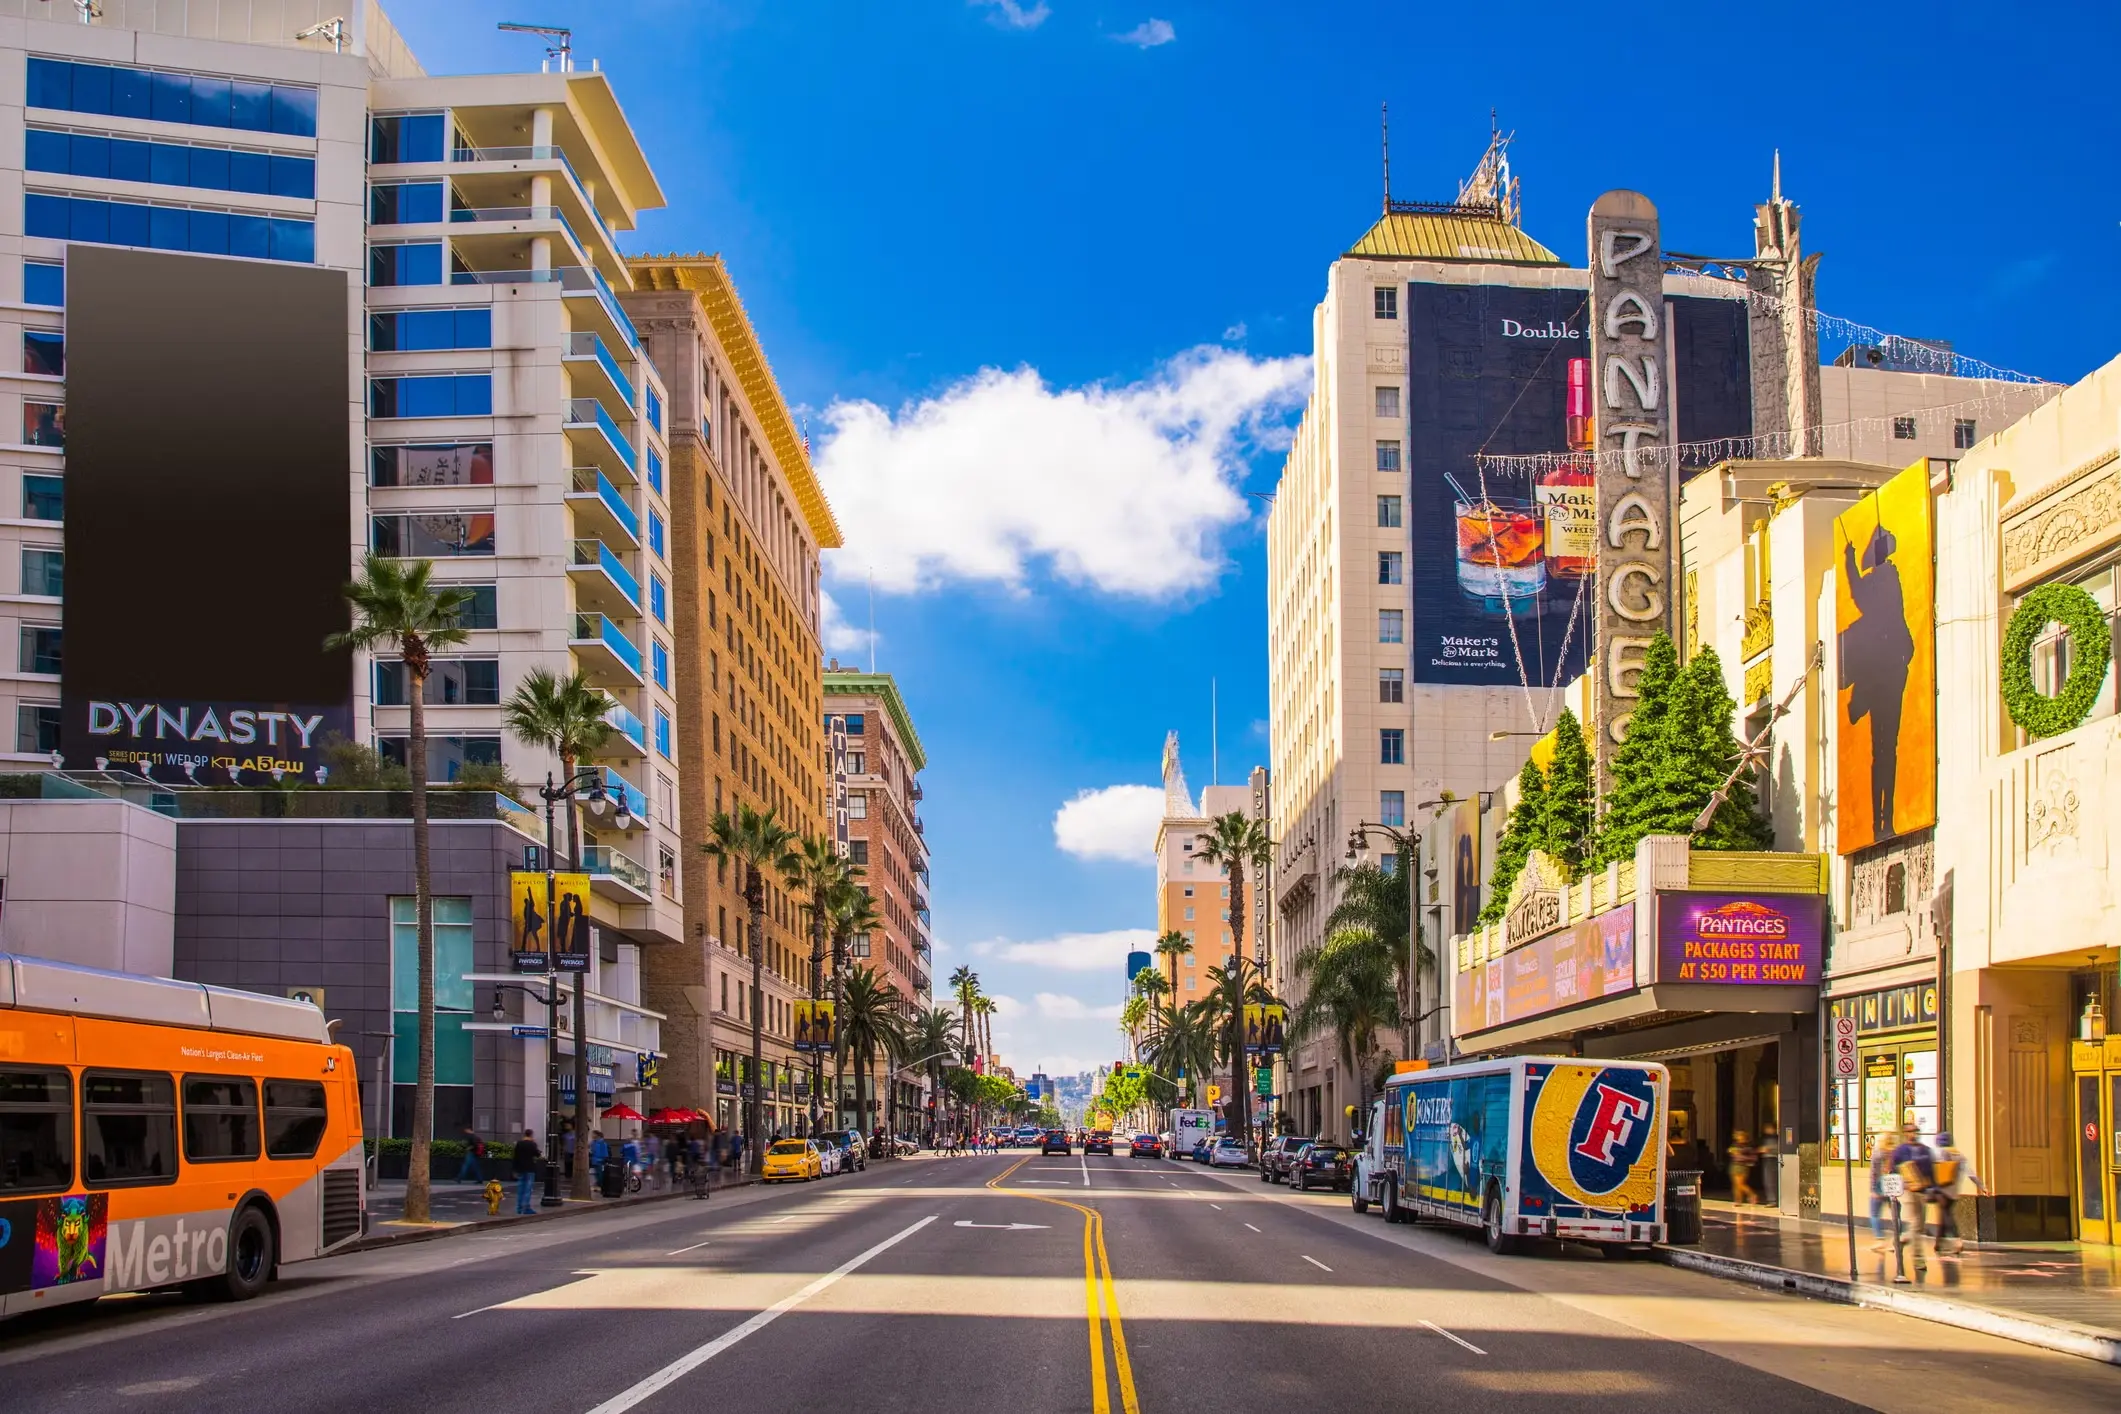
(796, 1159)
(1201, 1148)
(1277, 1159)
(1146, 1146)
(1056, 1142)
(908, 1145)
(848, 1145)
(1229, 1153)
(1323, 1165)
(1098, 1141)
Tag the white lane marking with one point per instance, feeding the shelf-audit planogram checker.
(1051, 1182)
(785, 1217)
(686, 1364)
(1216, 1206)
(1315, 1262)
(1455, 1340)
(1004, 1227)
(1086, 1170)
(1254, 1229)
(683, 1250)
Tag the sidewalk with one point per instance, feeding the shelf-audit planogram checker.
(2059, 1295)
(454, 1206)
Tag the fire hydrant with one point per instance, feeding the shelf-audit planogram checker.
(493, 1196)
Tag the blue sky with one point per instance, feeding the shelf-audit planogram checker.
(1040, 277)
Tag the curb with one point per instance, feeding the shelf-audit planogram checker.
(2064, 1337)
(570, 1209)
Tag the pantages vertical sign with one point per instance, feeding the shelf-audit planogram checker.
(1632, 378)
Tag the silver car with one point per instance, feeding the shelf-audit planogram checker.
(1229, 1152)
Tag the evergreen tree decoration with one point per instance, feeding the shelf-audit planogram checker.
(1566, 826)
(1702, 732)
(1523, 833)
(1637, 788)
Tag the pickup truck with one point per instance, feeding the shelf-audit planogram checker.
(1277, 1159)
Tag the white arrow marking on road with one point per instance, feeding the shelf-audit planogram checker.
(1004, 1227)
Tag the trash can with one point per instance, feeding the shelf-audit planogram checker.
(611, 1179)
(1682, 1206)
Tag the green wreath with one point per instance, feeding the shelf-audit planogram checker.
(2090, 649)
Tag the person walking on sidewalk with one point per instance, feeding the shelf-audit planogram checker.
(1743, 1156)
(1913, 1161)
(1881, 1165)
(1954, 1175)
(526, 1162)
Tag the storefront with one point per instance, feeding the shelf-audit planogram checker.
(2095, 1086)
(1896, 1038)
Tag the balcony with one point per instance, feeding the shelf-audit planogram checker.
(615, 874)
(623, 795)
(601, 509)
(627, 728)
(609, 657)
(602, 582)
(511, 159)
(598, 440)
(589, 356)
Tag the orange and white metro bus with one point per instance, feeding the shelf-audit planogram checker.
(156, 1133)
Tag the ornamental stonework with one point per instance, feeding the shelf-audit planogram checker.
(2058, 530)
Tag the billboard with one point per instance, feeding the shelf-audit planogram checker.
(1457, 831)
(208, 515)
(1886, 654)
(1584, 962)
(1740, 940)
(542, 921)
(813, 1026)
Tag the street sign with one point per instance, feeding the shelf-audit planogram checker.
(1892, 1185)
(1847, 1065)
(528, 1033)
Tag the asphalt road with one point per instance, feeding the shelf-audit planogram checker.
(1006, 1283)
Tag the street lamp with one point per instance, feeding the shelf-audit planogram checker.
(587, 786)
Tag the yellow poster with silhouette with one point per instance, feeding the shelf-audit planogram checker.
(544, 925)
(1885, 655)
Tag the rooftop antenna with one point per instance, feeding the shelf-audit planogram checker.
(1384, 132)
(872, 619)
(561, 49)
(1215, 760)
(88, 10)
(333, 29)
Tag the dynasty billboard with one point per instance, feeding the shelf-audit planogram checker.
(1886, 708)
(208, 515)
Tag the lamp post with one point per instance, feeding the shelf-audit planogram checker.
(587, 785)
(1358, 843)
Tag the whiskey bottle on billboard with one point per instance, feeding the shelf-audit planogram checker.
(1567, 492)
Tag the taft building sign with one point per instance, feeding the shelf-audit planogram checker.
(1631, 378)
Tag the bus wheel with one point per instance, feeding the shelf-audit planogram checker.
(250, 1256)
(1499, 1242)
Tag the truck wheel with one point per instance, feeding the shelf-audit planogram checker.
(1391, 1203)
(1499, 1242)
(1356, 1199)
(1266, 1175)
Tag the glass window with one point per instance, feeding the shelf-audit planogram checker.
(659, 660)
(37, 727)
(414, 330)
(43, 424)
(858, 851)
(1391, 807)
(169, 228)
(419, 263)
(483, 611)
(44, 352)
(220, 1118)
(452, 931)
(451, 682)
(295, 1115)
(36, 1130)
(447, 756)
(406, 137)
(1388, 401)
(658, 599)
(655, 535)
(662, 732)
(40, 649)
(44, 282)
(405, 203)
(655, 410)
(655, 471)
(854, 724)
(294, 110)
(1904, 429)
(1391, 746)
(1387, 301)
(443, 395)
(128, 1128)
(1388, 456)
(43, 571)
(43, 498)
(1391, 684)
(432, 464)
(426, 537)
(1390, 565)
(1964, 433)
(1388, 512)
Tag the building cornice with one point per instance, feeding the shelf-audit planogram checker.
(884, 686)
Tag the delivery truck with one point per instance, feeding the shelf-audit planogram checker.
(1189, 1127)
(1522, 1147)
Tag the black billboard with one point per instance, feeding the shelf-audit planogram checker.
(208, 506)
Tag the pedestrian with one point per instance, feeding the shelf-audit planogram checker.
(567, 1148)
(599, 1151)
(1913, 1161)
(1881, 1165)
(674, 1152)
(736, 1151)
(1953, 1175)
(526, 1162)
(1743, 1156)
(474, 1150)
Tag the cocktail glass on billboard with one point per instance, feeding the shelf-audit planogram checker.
(1501, 550)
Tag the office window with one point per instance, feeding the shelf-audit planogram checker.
(220, 1118)
(407, 203)
(662, 733)
(857, 763)
(431, 464)
(43, 571)
(858, 851)
(483, 610)
(1189, 915)
(407, 137)
(1189, 891)
(128, 1128)
(43, 497)
(419, 263)
(97, 221)
(655, 471)
(854, 724)
(44, 351)
(199, 99)
(857, 805)
(172, 164)
(1388, 456)
(427, 537)
(658, 599)
(40, 648)
(1904, 429)
(659, 660)
(655, 409)
(37, 727)
(36, 1130)
(1964, 434)
(294, 1118)
(444, 395)
(1388, 401)
(43, 424)
(451, 682)
(415, 330)
(1391, 807)
(447, 756)
(1388, 512)
(1390, 566)
(1387, 301)
(1391, 746)
(655, 536)
(44, 282)
(1391, 625)
(1391, 684)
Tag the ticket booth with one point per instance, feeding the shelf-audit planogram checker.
(2095, 1081)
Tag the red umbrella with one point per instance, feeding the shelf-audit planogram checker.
(623, 1112)
(666, 1115)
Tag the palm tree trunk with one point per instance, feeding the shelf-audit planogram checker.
(423, 1095)
(1240, 1092)
(754, 1108)
(585, 1110)
(817, 990)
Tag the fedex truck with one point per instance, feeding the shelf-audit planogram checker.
(1189, 1127)
(1523, 1146)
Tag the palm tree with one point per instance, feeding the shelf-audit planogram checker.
(984, 1005)
(819, 872)
(1174, 945)
(396, 604)
(1151, 984)
(1181, 1042)
(964, 985)
(565, 716)
(1353, 977)
(1376, 902)
(1237, 842)
(1133, 1012)
(758, 842)
(852, 913)
(871, 1019)
(930, 1035)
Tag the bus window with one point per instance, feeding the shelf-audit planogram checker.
(36, 1130)
(294, 1118)
(129, 1128)
(220, 1118)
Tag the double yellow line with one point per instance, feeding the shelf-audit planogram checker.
(1101, 1302)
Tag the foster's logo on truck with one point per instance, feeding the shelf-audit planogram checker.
(1593, 1131)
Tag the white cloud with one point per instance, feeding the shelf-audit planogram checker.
(1124, 489)
(1235, 334)
(1057, 1033)
(1118, 822)
(1148, 34)
(1011, 14)
(1073, 952)
(844, 637)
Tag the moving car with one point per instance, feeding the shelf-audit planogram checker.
(1029, 1134)
(1199, 1153)
(847, 1144)
(1277, 1160)
(1098, 1141)
(1229, 1153)
(1323, 1165)
(1056, 1142)
(796, 1159)
(1145, 1146)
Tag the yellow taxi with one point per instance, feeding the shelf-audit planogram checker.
(796, 1159)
